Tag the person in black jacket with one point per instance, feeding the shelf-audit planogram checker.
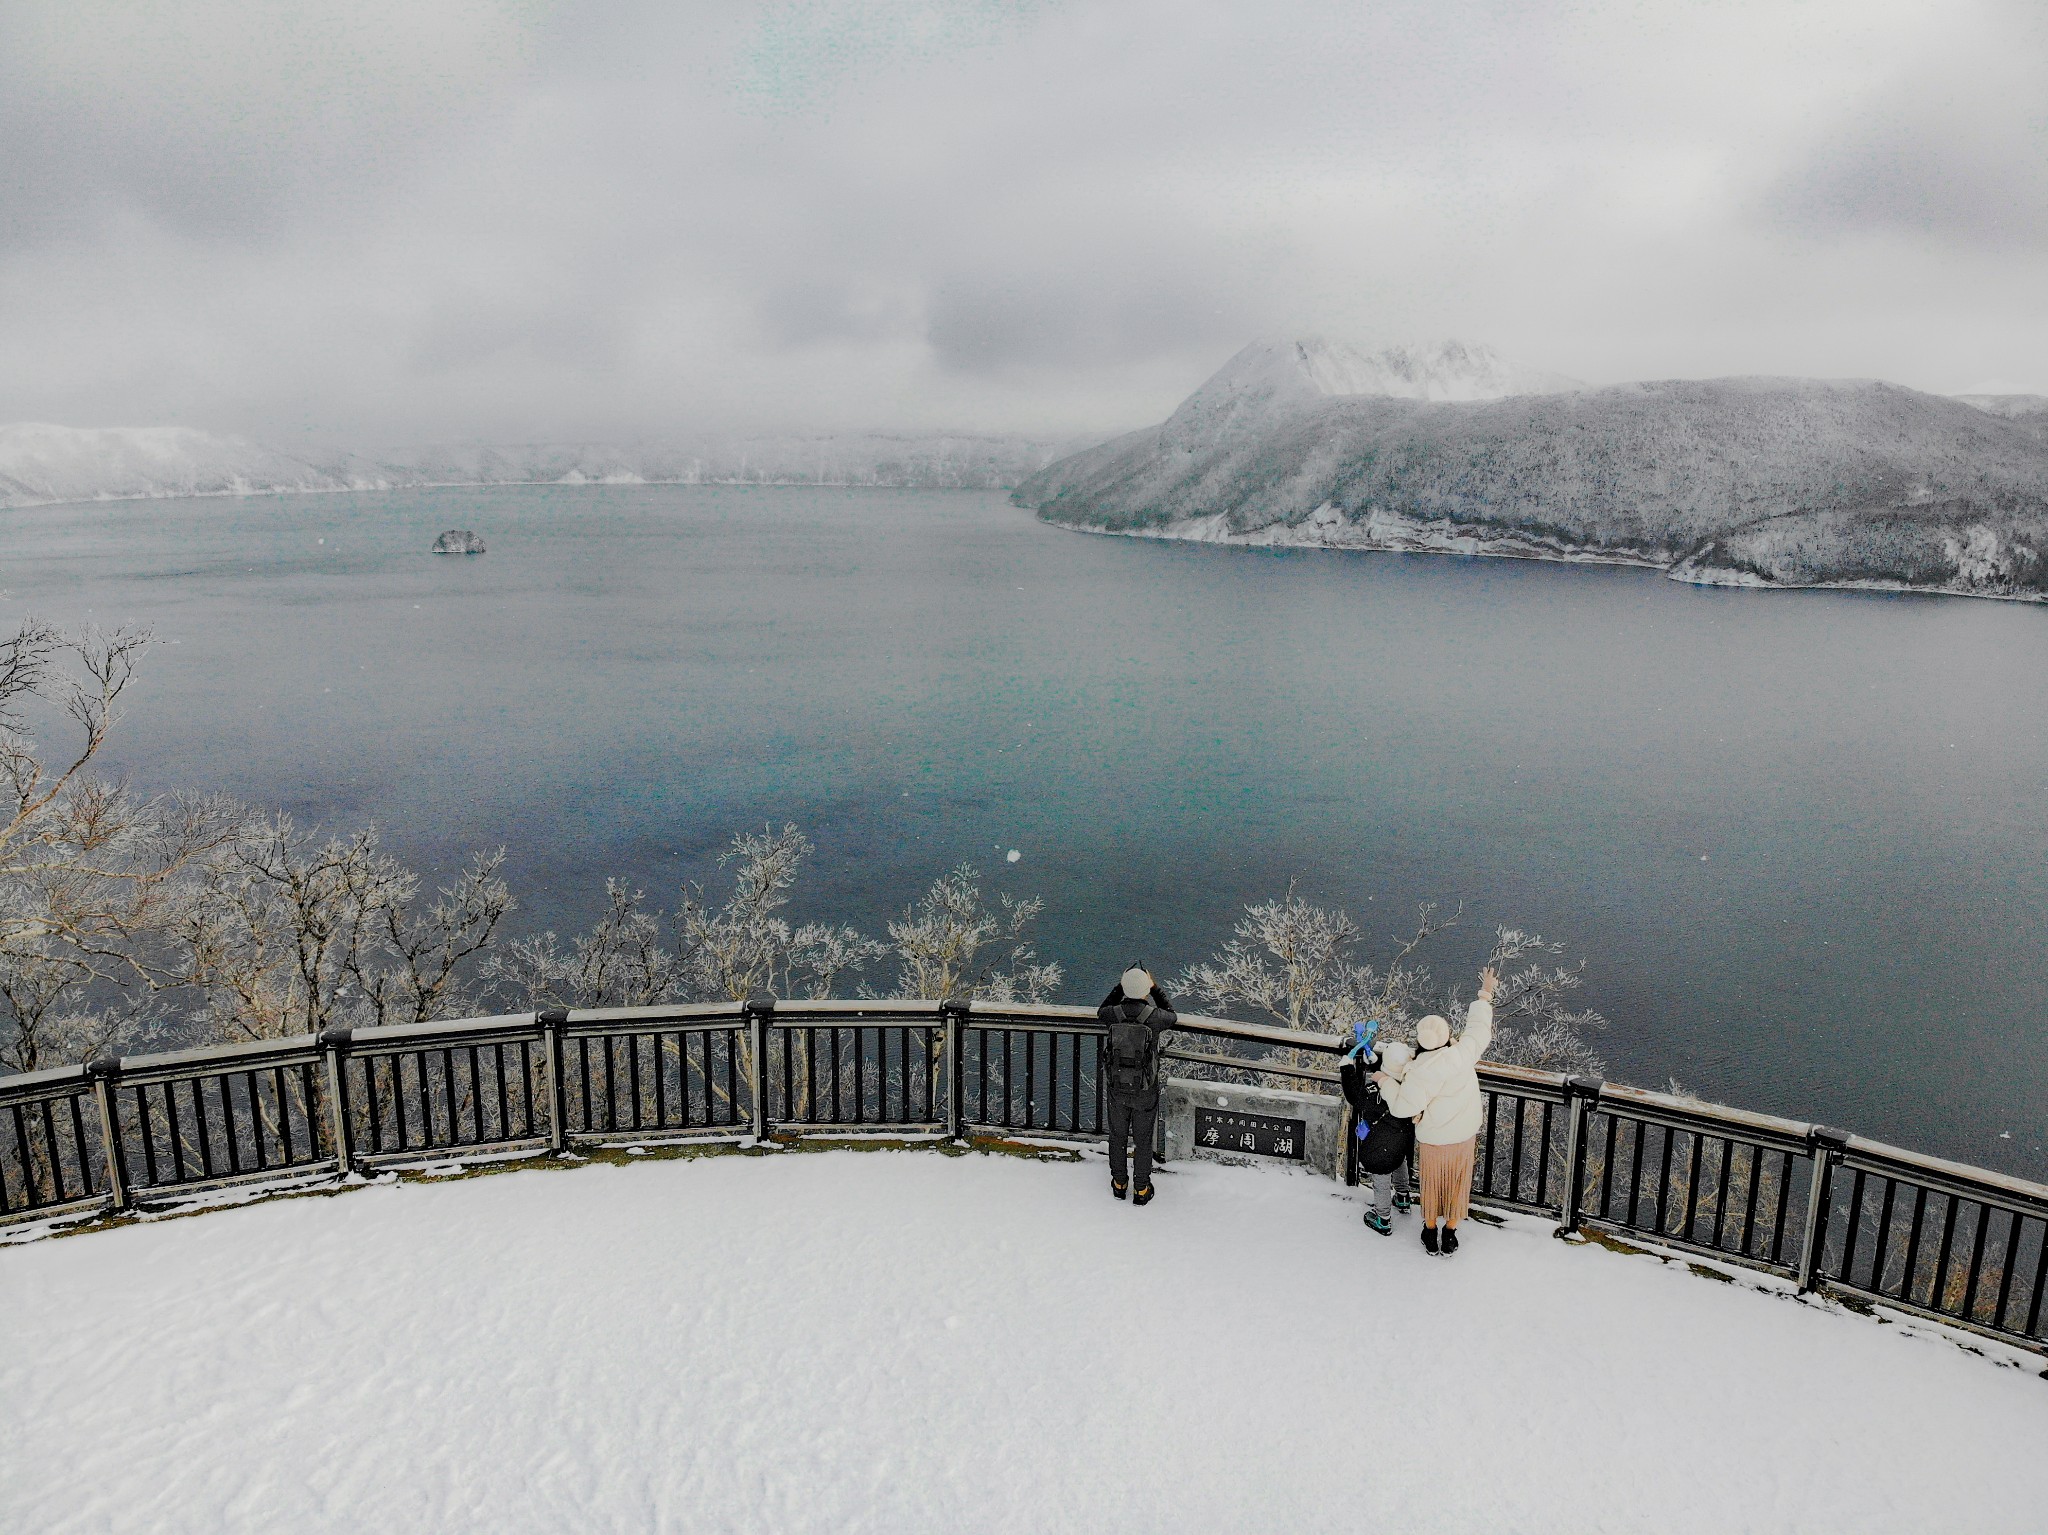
(1385, 1140)
(1135, 1012)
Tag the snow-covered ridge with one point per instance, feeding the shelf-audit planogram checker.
(1765, 481)
(41, 464)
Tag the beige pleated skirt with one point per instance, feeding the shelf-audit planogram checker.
(1446, 1176)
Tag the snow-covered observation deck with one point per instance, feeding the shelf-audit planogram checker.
(892, 1338)
(1865, 1223)
(908, 1342)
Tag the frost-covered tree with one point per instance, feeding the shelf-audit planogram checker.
(951, 943)
(621, 962)
(88, 869)
(1298, 964)
(1533, 1023)
(820, 955)
(741, 948)
(286, 932)
(738, 948)
(417, 964)
(41, 1020)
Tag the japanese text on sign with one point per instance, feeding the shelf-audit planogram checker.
(1256, 1135)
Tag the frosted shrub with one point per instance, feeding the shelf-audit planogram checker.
(953, 944)
(620, 962)
(283, 932)
(88, 869)
(740, 947)
(1298, 965)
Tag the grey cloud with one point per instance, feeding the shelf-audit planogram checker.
(1953, 146)
(462, 335)
(222, 117)
(1915, 172)
(979, 325)
(385, 220)
(818, 310)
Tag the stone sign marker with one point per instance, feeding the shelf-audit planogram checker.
(1215, 1119)
(1258, 1135)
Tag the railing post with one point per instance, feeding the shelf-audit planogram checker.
(335, 1043)
(955, 1015)
(105, 1070)
(758, 1011)
(1580, 1094)
(1827, 1151)
(552, 1021)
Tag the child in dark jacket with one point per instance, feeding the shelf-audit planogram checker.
(1384, 1139)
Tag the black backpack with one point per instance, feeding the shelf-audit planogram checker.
(1132, 1054)
(1388, 1138)
(1386, 1144)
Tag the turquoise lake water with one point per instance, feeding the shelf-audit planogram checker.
(1799, 836)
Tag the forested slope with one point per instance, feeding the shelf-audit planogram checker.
(1873, 478)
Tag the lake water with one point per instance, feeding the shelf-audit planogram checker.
(1799, 837)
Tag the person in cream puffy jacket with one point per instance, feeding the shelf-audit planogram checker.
(1440, 1092)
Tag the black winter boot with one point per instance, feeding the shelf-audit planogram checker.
(1143, 1196)
(1429, 1240)
(1450, 1240)
(1119, 1189)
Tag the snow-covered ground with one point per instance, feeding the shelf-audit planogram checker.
(904, 1341)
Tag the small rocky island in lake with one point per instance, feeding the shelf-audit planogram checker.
(458, 541)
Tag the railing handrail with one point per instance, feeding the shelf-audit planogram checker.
(1635, 1101)
(310, 1104)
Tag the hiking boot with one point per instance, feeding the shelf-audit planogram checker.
(1377, 1222)
(1450, 1240)
(1143, 1196)
(1403, 1201)
(1119, 1189)
(1429, 1240)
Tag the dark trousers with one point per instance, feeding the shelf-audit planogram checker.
(1129, 1121)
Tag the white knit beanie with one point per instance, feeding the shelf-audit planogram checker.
(1432, 1033)
(1136, 983)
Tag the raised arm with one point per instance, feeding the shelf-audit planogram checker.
(1472, 1044)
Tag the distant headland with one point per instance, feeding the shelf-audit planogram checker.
(1449, 449)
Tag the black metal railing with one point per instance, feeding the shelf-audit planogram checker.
(52, 1143)
(1834, 1212)
(204, 1116)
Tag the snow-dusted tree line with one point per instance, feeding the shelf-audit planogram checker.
(126, 920)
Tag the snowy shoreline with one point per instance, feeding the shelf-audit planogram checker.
(45, 465)
(1385, 534)
(280, 492)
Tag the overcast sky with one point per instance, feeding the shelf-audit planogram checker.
(390, 221)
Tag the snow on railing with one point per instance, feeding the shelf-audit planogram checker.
(1860, 1220)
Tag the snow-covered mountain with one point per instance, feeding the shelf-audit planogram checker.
(1271, 379)
(1825, 473)
(2028, 411)
(40, 464)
